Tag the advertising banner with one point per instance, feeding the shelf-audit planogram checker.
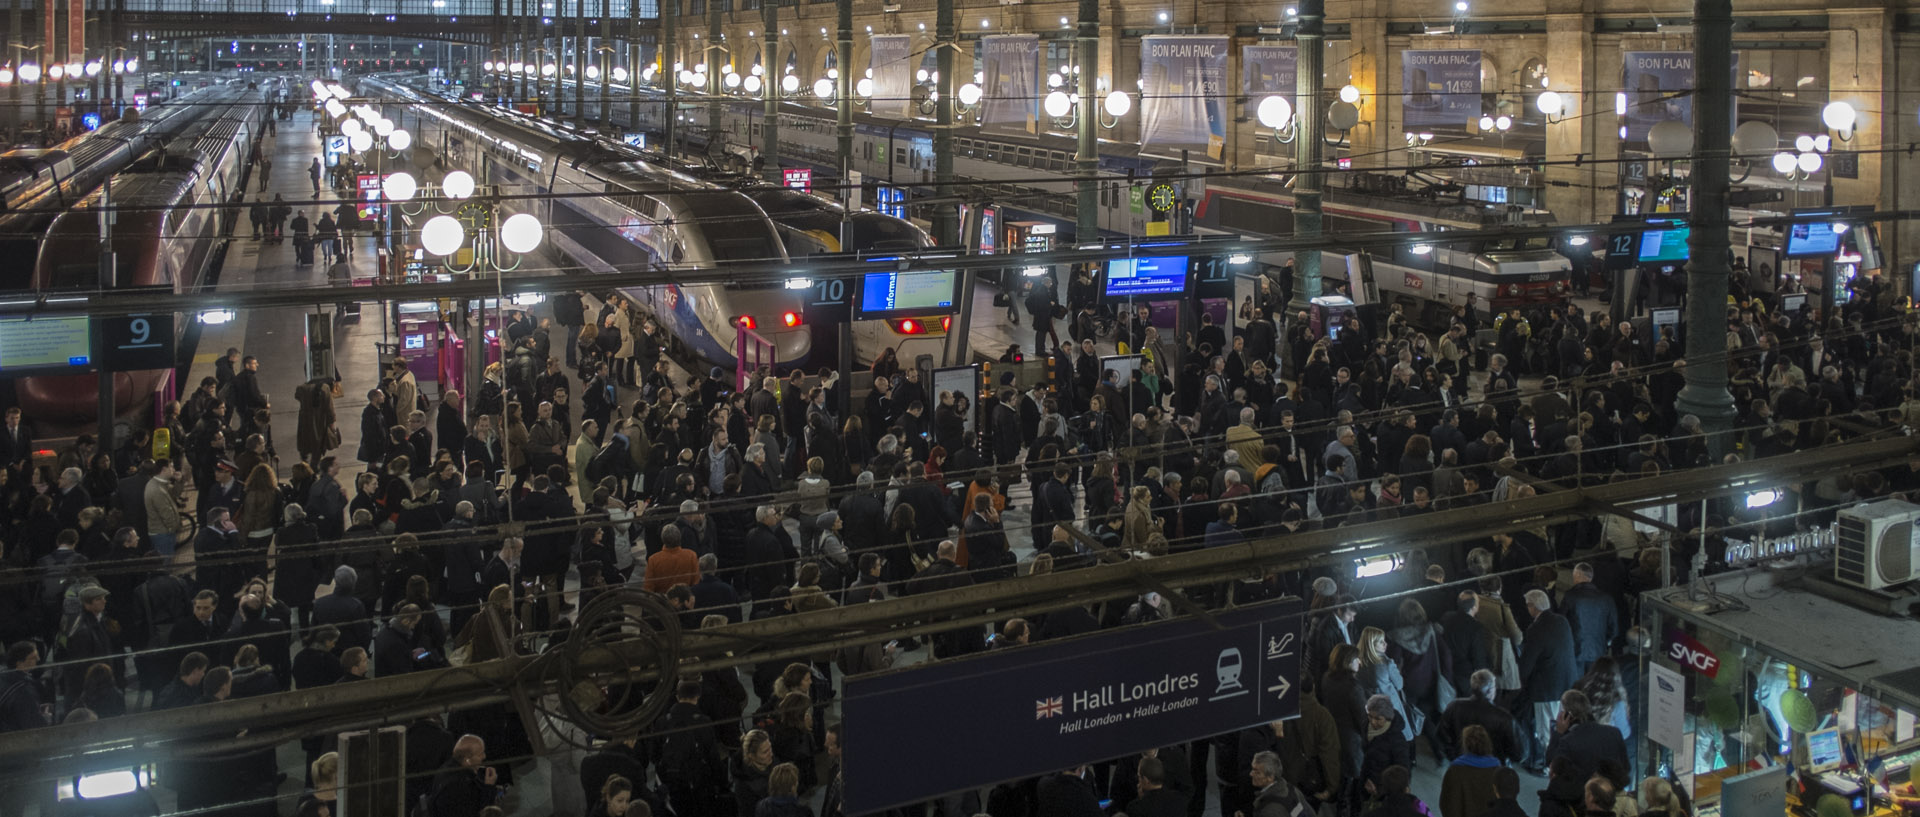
(1010, 93)
(1007, 714)
(1439, 88)
(892, 75)
(1181, 105)
(1268, 70)
(1658, 86)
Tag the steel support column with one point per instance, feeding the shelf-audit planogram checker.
(946, 215)
(1705, 395)
(770, 75)
(1309, 36)
(1087, 162)
(843, 88)
(714, 55)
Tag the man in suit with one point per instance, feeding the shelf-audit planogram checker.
(767, 561)
(1052, 504)
(1547, 669)
(16, 445)
(1006, 428)
(375, 419)
(1478, 709)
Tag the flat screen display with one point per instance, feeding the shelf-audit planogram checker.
(1663, 245)
(1813, 239)
(46, 342)
(1128, 277)
(892, 294)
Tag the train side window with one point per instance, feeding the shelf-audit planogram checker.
(900, 156)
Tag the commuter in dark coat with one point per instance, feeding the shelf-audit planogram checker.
(343, 608)
(1547, 666)
(1592, 614)
(1477, 708)
(1588, 746)
(1068, 794)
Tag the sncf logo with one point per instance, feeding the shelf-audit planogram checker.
(1691, 653)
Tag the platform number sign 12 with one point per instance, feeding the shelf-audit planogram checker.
(828, 301)
(1623, 250)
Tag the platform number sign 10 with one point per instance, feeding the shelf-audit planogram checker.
(827, 301)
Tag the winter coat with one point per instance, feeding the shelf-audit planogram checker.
(1426, 663)
(1384, 679)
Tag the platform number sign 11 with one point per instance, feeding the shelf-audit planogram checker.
(828, 301)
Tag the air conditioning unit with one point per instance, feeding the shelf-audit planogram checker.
(1877, 545)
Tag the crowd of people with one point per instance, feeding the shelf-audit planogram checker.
(221, 565)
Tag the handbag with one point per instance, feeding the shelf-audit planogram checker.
(461, 655)
(333, 437)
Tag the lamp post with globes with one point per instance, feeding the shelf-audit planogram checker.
(464, 220)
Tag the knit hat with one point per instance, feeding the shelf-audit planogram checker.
(825, 521)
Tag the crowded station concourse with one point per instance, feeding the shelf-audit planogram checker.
(389, 527)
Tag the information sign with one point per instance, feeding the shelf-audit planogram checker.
(1016, 713)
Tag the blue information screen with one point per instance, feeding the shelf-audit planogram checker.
(884, 294)
(1663, 245)
(1127, 277)
(1813, 239)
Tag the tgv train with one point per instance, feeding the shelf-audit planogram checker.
(175, 206)
(1014, 172)
(40, 184)
(639, 213)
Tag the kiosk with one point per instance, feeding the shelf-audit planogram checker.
(1729, 691)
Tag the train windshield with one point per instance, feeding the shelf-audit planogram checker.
(1540, 242)
(735, 229)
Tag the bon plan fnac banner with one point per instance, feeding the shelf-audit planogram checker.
(1439, 88)
(1010, 74)
(1181, 104)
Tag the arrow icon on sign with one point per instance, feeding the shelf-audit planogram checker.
(1280, 689)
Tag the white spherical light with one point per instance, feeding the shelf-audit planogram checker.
(1274, 111)
(458, 184)
(1118, 104)
(619, 74)
(593, 72)
(1839, 115)
(1549, 103)
(1810, 162)
(441, 235)
(790, 84)
(351, 127)
(731, 80)
(823, 88)
(399, 140)
(1057, 104)
(383, 128)
(399, 186)
(360, 142)
(969, 94)
(1670, 139)
(752, 83)
(1350, 94)
(1803, 143)
(864, 87)
(1784, 162)
(1757, 138)
(521, 233)
(29, 73)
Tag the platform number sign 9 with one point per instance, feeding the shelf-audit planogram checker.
(829, 300)
(135, 342)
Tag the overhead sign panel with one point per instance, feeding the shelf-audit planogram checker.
(1011, 71)
(1440, 88)
(46, 343)
(1181, 102)
(1016, 713)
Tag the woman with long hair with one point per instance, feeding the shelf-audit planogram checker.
(616, 796)
(516, 441)
(854, 445)
(898, 546)
(749, 770)
(1426, 664)
(1341, 693)
(1607, 693)
(1380, 675)
(431, 632)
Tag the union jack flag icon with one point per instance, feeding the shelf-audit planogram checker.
(1048, 707)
